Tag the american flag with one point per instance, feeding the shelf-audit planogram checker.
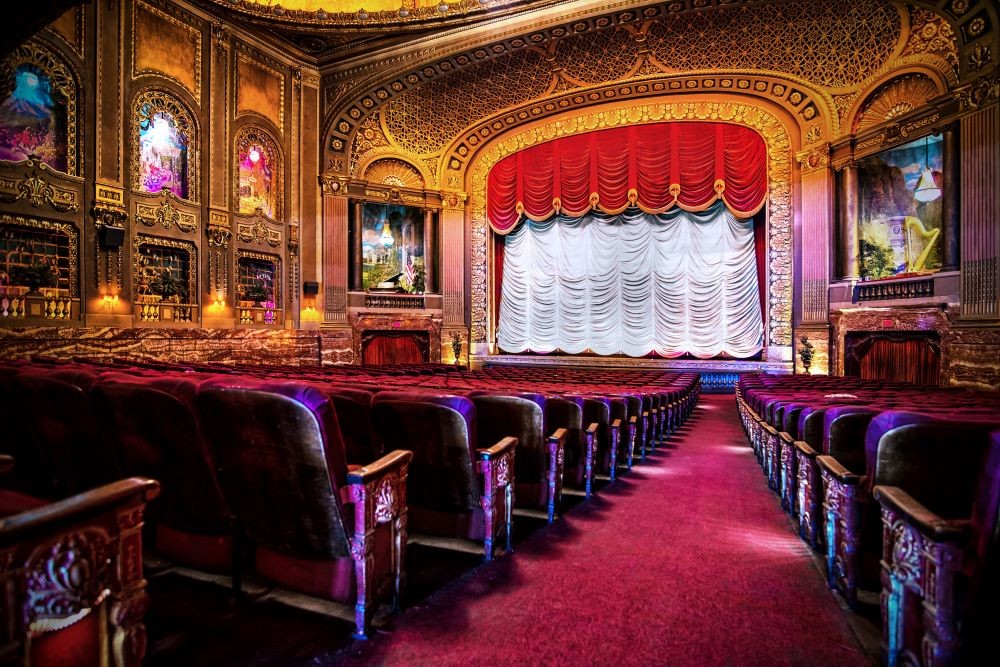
(409, 270)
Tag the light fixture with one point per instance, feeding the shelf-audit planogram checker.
(386, 237)
(927, 188)
(403, 12)
(362, 14)
(254, 155)
(443, 7)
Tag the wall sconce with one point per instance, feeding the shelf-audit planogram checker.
(110, 301)
(220, 299)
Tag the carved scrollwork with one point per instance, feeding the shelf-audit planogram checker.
(906, 553)
(166, 215)
(386, 500)
(258, 232)
(65, 580)
(503, 469)
(37, 191)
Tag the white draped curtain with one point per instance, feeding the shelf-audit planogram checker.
(635, 283)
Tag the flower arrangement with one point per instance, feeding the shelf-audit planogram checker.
(806, 352)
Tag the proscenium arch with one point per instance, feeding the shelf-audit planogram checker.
(781, 145)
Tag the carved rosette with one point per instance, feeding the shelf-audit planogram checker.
(65, 580)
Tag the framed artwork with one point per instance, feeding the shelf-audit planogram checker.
(33, 120)
(900, 192)
(392, 246)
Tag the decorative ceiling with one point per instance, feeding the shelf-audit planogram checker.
(324, 29)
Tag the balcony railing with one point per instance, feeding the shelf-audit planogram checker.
(885, 290)
(400, 301)
(55, 307)
(168, 311)
(259, 315)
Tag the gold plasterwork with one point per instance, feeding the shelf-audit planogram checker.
(275, 261)
(35, 188)
(62, 83)
(149, 102)
(931, 34)
(894, 99)
(779, 206)
(260, 90)
(250, 135)
(394, 173)
(166, 215)
(363, 13)
(166, 46)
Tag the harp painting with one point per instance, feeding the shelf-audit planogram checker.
(900, 223)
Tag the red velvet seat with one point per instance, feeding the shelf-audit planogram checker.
(317, 528)
(67, 434)
(455, 489)
(156, 434)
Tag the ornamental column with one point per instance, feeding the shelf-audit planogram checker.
(849, 267)
(453, 277)
(357, 257)
(335, 207)
(949, 206)
(430, 252)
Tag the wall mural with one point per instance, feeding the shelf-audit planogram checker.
(257, 187)
(163, 154)
(392, 245)
(900, 221)
(33, 121)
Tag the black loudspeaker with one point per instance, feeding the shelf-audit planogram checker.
(111, 236)
(310, 288)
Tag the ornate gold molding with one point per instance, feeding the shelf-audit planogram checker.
(188, 247)
(275, 261)
(37, 191)
(166, 215)
(779, 211)
(982, 92)
(256, 231)
(334, 184)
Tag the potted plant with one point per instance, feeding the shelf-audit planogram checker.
(456, 347)
(256, 292)
(805, 353)
(169, 288)
(33, 276)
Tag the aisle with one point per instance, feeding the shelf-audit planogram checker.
(688, 560)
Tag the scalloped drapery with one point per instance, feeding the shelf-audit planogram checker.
(654, 167)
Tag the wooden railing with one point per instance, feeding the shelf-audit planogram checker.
(403, 301)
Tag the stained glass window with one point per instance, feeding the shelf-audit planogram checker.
(163, 154)
(32, 120)
(257, 184)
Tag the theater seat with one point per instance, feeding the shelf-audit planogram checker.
(318, 529)
(940, 561)
(455, 489)
(538, 464)
(66, 560)
(156, 434)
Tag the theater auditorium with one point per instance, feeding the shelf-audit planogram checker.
(500, 332)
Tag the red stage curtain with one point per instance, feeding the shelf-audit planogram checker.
(913, 361)
(654, 167)
(393, 348)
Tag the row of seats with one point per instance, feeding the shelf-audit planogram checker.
(899, 487)
(316, 474)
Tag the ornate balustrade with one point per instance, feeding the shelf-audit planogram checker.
(894, 289)
(402, 301)
(166, 312)
(55, 307)
(259, 315)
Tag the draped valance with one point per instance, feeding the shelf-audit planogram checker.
(653, 167)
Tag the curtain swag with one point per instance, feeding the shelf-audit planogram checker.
(655, 167)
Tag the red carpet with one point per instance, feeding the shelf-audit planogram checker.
(687, 561)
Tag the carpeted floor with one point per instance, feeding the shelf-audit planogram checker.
(686, 561)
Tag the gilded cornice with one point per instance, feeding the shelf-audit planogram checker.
(774, 131)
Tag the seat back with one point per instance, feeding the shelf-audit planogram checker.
(441, 475)
(354, 416)
(67, 432)
(844, 429)
(500, 416)
(157, 435)
(273, 446)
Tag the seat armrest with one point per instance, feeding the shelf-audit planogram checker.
(805, 449)
(614, 434)
(497, 500)
(79, 507)
(556, 444)
(842, 474)
(6, 464)
(590, 442)
(378, 492)
(785, 438)
(927, 522)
